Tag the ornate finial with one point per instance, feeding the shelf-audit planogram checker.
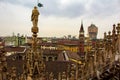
(109, 33)
(51, 76)
(105, 35)
(118, 28)
(29, 77)
(114, 31)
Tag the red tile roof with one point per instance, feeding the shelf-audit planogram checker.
(14, 49)
(47, 44)
(67, 42)
(48, 51)
(73, 55)
(61, 56)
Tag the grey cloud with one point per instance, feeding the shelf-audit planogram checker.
(105, 7)
(11, 1)
(74, 10)
(53, 8)
(26, 3)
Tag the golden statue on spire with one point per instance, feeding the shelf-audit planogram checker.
(34, 67)
(34, 16)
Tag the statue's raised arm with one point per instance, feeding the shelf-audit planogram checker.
(34, 16)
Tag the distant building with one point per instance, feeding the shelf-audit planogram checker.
(68, 44)
(15, 40)
(92, 31)
(81, 41)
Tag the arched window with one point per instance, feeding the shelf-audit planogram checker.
(55, 58)
(50, 59)
(44, 58)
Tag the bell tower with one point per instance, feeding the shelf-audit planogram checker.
(81, 41)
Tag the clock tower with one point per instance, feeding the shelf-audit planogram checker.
(81, 41)
(92, 31)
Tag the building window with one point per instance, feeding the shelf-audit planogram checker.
(44, 58)
(50, 59)
(55, 58)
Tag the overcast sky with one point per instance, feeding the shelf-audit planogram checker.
(58, 17)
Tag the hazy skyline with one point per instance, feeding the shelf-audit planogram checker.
(58, 17)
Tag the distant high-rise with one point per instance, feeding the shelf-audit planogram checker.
(92, 31)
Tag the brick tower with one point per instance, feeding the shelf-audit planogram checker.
(81, 41)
